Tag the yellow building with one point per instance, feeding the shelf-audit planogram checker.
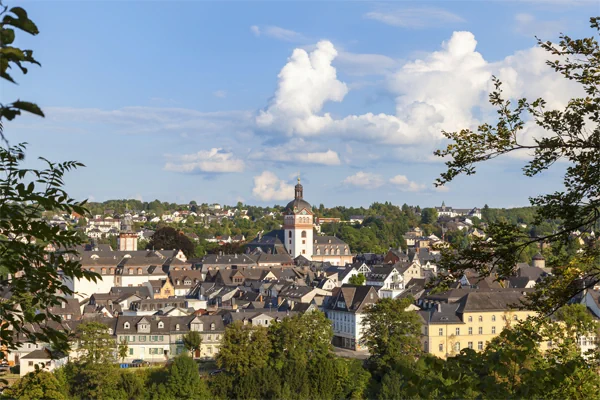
(471, 322)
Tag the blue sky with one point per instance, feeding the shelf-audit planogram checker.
(228, 101)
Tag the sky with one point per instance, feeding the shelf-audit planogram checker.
(230, 101)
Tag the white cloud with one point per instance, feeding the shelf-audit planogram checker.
(306, 82)
(209, 161)
(277, 32)
(405, 184)
(415, 17)
(366, 180)
(443, 90)
(528, 25)
(365, 64)
(297, 151)
(220, 94)
(442, 189)
(143, 120)
(268, 187)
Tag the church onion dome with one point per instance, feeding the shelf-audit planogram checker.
(298, 204)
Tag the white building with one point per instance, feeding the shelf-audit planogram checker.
(346, 310)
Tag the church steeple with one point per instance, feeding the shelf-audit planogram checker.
(299, 190)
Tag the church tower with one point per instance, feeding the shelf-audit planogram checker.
(298, 225)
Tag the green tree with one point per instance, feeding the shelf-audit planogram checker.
(184, 380)
(358, 279)
(93, 380)
(571, 135)
(123, 350)
(429, 216)
(391, 333)
(168, 238)
(192, 341)
(24, 195)
(133, 385)
(36, 385)
(94, 344)
(243, 348)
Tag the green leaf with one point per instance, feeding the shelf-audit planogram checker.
(29, 107)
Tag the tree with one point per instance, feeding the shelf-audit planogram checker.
(168, 238)
(391, 333)
(243, 348)
(133, 385)
(192, 341)
(94, 344)
(429, 216)
(123, 350)
(184, 380)
(357, 280)
(36, 385)
(571, 135)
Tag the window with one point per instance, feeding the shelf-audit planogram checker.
(470, 331)
(457, 331)
(470, 319)
(92, 270)
(139, 271)
(493, 329)
(103, 271)
(212, 326)
(210, 336)
(479, 345)
(126, 325)
(441, 331)
(470, 345)
(480, 318)
(457, 347)
(515, 318)
(30, 363)
(177, 327)
(142, 338)
(303, 234)
(112, 271)
(493, 318)
(304, 242)
(161, 324)
(130, 270)
(290, 234)
(131, 351)
(132, 338)
(480, 330)
(441, 347)
(303, 251)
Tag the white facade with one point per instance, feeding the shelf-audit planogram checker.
(348, 327)
(299, 234)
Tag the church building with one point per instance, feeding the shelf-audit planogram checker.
(297, 236)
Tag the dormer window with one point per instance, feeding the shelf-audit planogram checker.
(161, 325)
(212, 326)
(130, 270)
(139, 271)
(177, 327)
(188, 282)
(126, 325)
(110, 331)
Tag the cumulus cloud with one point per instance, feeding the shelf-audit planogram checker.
(443, 90)
(405, 184)
(415, 17)
(365, 180)
(277, 32)
(306, 82)
(268, 187)
(214, 160)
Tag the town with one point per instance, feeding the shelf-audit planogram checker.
(150, 298)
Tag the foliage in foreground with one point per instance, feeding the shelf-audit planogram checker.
(571, 135)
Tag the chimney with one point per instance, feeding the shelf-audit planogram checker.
(439, 307)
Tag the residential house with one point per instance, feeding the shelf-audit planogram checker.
(346, 309)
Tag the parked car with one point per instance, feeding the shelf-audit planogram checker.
(139, 363)
(216, 372)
